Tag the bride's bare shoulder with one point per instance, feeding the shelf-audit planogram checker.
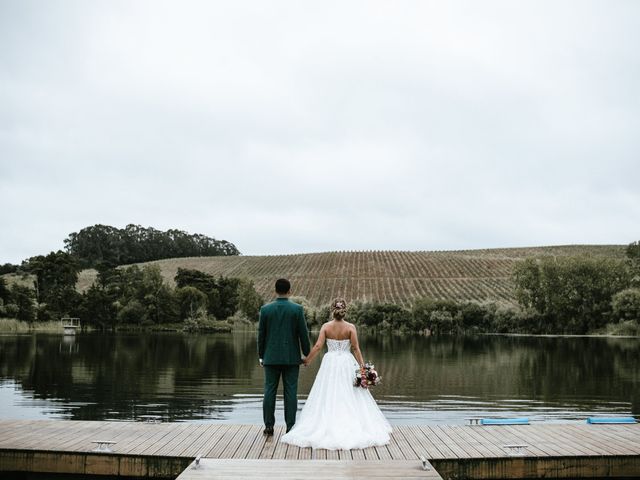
(326, 326)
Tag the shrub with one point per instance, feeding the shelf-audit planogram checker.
(133, 313)
(309, 311)
(626, 305)
(474, 317)
(505, 320)
(24, 299)
(424, 307)
(572, 294)
(442, 322)
(11, 325)
(365, 314)
(626, 327)
(249, 301)
(190, 300)
(376, 314)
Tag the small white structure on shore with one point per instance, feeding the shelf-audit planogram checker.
(70, 325)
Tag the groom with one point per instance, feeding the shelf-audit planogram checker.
(282, 331)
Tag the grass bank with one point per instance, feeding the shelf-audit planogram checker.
(11, 325)
(211, 326)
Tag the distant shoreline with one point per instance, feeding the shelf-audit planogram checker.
(14, 327)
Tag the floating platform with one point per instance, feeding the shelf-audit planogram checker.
(70, 325)
(167, 450)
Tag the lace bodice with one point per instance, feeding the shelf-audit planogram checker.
(338, 345)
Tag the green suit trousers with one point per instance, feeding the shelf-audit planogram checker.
(272, 375)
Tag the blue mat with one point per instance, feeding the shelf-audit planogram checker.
(611, 420)
(505, 421)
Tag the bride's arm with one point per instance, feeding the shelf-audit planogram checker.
(317, 347)
(356, 346)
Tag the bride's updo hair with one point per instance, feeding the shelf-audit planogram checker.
(339, 308)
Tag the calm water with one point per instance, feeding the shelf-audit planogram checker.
(203, 378)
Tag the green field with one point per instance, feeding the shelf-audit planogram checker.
(380, 276)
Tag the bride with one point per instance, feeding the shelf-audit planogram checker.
(337, 415)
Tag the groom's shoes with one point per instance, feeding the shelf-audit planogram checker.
(268, 431)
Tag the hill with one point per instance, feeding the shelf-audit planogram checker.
(380, 276)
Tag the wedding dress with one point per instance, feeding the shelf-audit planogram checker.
(337, 415)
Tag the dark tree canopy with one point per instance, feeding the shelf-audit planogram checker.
(633, 251)
(56, 276)
(572, 294)
(221, 292)
(5, 293)
(8, 268)
(105, 246)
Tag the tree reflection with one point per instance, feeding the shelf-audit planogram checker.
(178, 377)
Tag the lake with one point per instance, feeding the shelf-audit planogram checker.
(216, 377)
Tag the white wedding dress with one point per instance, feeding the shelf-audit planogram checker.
(337, 415)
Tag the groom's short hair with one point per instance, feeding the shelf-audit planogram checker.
(283, 286)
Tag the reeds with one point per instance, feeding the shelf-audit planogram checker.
(11, 325)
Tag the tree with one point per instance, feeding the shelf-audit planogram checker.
(221, 292)
(228, 297)
(381, 315)
(202, 281)
(99, 307)
(424, 307)
(8, 268)
(249, 301)
(195, 278)
(633, 251)
(55, 271)
(363, 314)
(99, 244)
(110, 246)
(133, 313)
(56, 277)
(474, 317)
(442, 322)
(190, 302)
(5, 293)
(156, 296)
(626, 304)
(24, 300)
(571, 294)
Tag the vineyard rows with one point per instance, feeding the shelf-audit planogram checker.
(379, 276)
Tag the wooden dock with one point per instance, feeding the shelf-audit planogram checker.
(165, 450)
(228, 469)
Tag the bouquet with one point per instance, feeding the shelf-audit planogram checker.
(366, 376)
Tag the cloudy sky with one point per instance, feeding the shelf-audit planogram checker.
(289, 126)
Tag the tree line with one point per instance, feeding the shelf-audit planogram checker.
(139, 297)
(131, 296)
(556, 295)
(103, 245)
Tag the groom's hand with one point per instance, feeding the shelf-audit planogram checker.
(260, 361)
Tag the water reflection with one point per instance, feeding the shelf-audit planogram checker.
(174, 377)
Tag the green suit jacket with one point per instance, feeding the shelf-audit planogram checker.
(282, 332)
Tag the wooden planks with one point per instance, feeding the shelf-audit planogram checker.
(227, 469)
(408, 442)
(595, 447)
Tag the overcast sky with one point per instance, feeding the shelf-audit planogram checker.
(289, 127)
